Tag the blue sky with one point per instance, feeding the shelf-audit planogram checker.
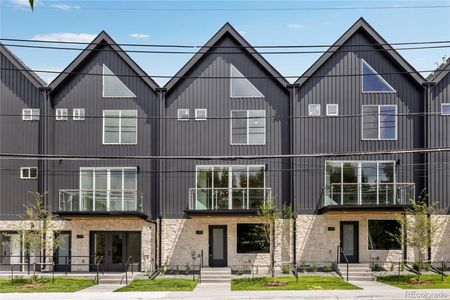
(136, 22)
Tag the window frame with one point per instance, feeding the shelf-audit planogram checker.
(332, 114)
(237, 240)
(179, 118)
(378, 75)
(196, 114)
(368, 232)
(442, 109)
(260, 96)
(120, 126)
(31, 116)
(60, 116)
(103, 85)
(378, 126)
(247, 143)
(309, 110)
(78, 116)
(29, 173)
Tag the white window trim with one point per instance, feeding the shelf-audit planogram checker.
(60, 114)
(201, 119)
(309, 110)
(29, 172)
(332, 114)
(379, 127)
(78, 116)
(248, 126)
(120, 126)
(179, 118)
(379, 76)
(442, 109)
(29, 116)
(230, 181)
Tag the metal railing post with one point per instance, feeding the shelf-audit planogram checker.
(53, 273)
(28, 263)
(398, 273)
(66, 265)
(12, 274)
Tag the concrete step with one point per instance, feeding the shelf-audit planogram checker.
(359, 278)
(358, 273)
(354, 265)
(216, 275)
(216, 280)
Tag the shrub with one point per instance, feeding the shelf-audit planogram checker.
(285, 269)
(416, 266)
(327, 268)
(239, 271)
(314, 268)
(402, 266)
(392, 267)
(303, 266)
(426, 266)
(187, 270)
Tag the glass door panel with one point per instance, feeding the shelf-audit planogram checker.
(350, 182)
(256, 192)
(239, 185)
(115, 190)
(204, 188)
(116, 251)
(101, 185)
(86, 186)
(221, 188)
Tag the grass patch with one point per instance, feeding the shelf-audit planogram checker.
(408, 281)
(44, 285)
(159, 284)
(289, 283)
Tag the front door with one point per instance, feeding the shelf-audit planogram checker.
(218, 246)
(350, 241)
(62, 257)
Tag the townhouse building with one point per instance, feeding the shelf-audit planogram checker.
(162, 174)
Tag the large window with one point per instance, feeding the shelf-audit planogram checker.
(119, 127)
(113, 87)
(252, 239)
(108, 189)
(379, 122)
(248, 127)
(360, 182)
(383, 235)
(229, 187)
(372, 82)
(241, 87)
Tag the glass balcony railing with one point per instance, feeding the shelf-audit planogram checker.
(100, 200)
(382, 194)
(227, 198)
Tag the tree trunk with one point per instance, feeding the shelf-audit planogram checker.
(272, 253)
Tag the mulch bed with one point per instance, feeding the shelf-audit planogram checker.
(420, 282)
(272, 283)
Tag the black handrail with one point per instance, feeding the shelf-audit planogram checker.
(339, 252)
(201, 267)
(98, 262)
(126, 268)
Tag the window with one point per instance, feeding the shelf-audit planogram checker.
(248, 127)
(61, 114)
(241, 87)
(108, 189)
(379, 122)
(372, 82)
(200, 114)
(183, 114)
(332, 109)
(78, 114)
(445, 109)
(360, 182)
(28, 173)
(30, 114)
(10, 247)
(120, 127)
(229, 187)
(382, 235)
(251, 239)
(113, 87)
(314, 110)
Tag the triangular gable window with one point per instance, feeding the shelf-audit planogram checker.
(113, 87)
(372, 82)
(241, 87)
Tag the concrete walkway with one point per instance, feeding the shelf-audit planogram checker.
(101, 288)
(374, 286)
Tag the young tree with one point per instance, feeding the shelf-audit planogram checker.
(272, 217)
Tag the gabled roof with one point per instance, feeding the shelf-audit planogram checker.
(102, 38)
(361, 24)
(226, 29)
(30, 75)
(440, 72)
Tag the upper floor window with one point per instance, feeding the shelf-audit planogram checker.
(241, 87)
(78, 114)
(248, 127)
(314, 110)
(120, 127)
(113, 87)
(183, 114)
(379, 122)
(332, 109)
(28, 173)
(62, 114)
(372, 82)
(200, 114)
(445, 109)
(30, 114)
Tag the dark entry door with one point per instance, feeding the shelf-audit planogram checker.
(350, 241)
(62, 254)
(218, 246)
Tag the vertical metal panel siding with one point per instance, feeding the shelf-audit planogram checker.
(17, 136)
(85, 137)
(212, 137)
(439, 136)
(343, 134)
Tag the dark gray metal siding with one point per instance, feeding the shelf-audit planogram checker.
(85, 137)
(343, 134)
(439, 136)
(16, 136)
(212, 137)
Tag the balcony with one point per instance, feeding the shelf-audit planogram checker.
(100, 202)
(364, 195)
(227, 200)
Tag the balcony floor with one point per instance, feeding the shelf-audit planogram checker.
(100, 214)
(360, 208)
(222, 212)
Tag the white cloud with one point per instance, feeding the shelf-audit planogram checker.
(65, 37)
(66, 7)
(21, 3)
(139, 35)
(296, 26)
(49, 76)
